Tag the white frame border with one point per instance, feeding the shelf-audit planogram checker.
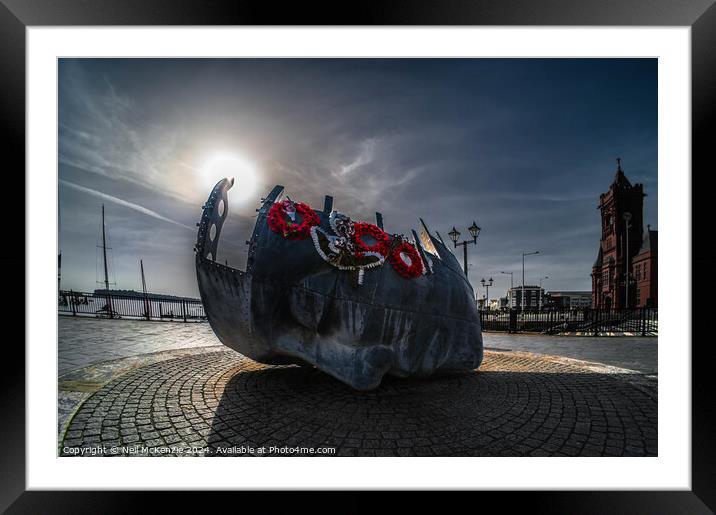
(670, 470)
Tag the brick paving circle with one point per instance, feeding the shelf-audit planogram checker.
(220, 403)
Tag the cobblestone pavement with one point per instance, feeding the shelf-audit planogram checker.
(86, 341)
(217, 402)
(76, 386)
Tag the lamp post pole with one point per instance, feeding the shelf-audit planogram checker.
(486, 285)
(512, 283)
(540, 290)
(523, 276)
(455, 234)
(464, 255)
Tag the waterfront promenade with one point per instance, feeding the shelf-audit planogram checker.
(151, 385)
(636, 353)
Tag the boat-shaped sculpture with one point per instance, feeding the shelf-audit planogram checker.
(346, 297)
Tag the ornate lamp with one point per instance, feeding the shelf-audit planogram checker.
(474, 230)
(454, 235)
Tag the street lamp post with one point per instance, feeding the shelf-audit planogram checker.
(627, 219)
(486, 285)
(512, 283)
(455, 234)
(523, 275)
(540, 290)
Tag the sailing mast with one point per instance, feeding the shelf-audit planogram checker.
(59, 246)
(104, 253)
(110, 311)
(144, 289)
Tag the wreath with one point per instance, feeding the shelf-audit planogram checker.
(403, 269)
(366, 229)
(288, 228)
(346, 250)
(341, 253)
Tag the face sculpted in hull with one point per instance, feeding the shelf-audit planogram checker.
(347, 297)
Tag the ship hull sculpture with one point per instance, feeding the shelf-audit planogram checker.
(383, 306)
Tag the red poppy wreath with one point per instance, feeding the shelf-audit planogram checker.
(279, 222)
(408, 271)
(365, 229)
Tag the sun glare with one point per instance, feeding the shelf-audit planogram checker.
(229, 165)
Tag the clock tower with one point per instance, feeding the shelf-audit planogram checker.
(621, 210)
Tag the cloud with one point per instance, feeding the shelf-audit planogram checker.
(524, 147)
(105, 132)
(121, 202)
(536, 197)
(364, 157)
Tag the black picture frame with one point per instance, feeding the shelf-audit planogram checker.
(700, 15)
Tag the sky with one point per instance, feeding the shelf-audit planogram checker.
(522, 146)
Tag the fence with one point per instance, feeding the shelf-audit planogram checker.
(594, 322)
(137, 307)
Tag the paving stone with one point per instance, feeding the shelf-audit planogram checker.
(86, 341)
(515, 405)
(130, 438)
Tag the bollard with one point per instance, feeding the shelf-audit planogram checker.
(512, 325)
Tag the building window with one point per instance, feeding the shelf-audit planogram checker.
(637, 272)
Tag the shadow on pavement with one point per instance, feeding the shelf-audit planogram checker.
(293, 411)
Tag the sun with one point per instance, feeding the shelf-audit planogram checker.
(230, 165)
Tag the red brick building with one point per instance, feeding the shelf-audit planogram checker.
(645, 271)
(624, 246)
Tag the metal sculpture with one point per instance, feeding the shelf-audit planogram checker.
(293, 306)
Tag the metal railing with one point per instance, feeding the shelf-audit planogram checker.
(581, 322)
(134, 307)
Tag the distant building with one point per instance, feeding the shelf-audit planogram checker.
(623, 246)
(569, 299)
(482, 304)
(533, 294)
(498, 304)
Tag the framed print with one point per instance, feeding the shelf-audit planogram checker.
(419, 252)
